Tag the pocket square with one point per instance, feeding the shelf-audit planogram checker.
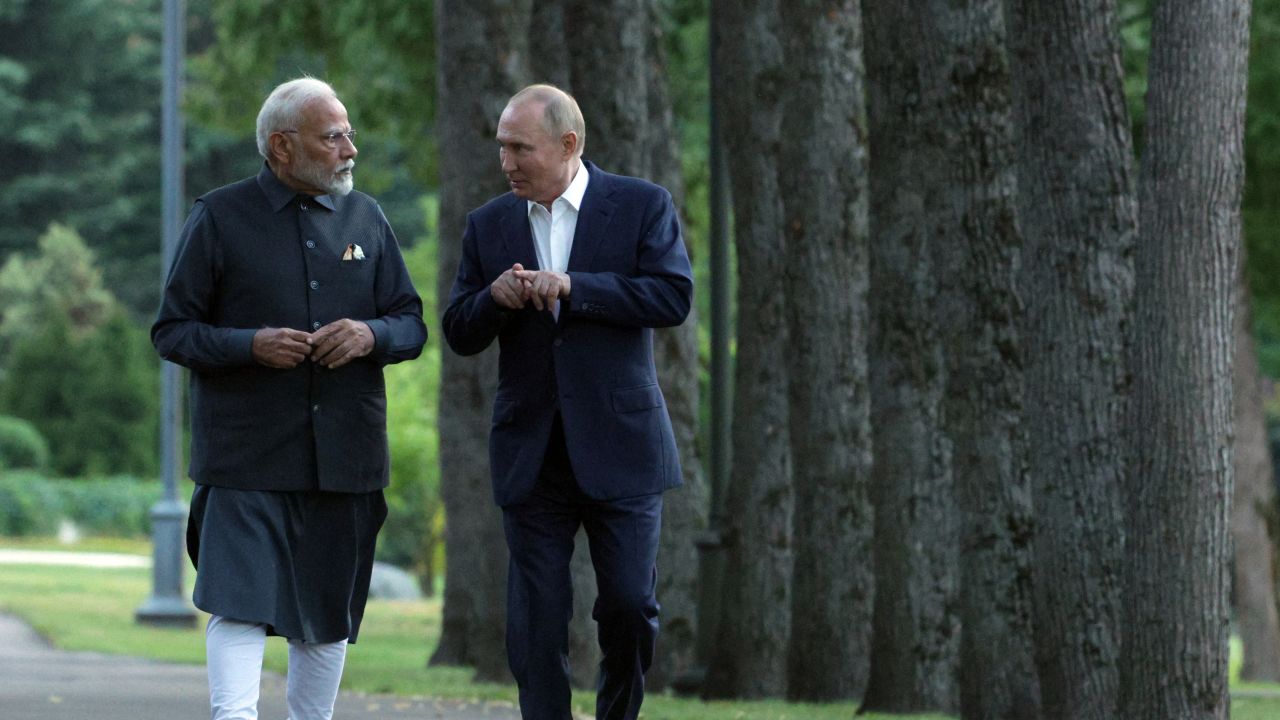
(353, 252)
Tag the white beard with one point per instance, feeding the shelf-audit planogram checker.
(337, 181)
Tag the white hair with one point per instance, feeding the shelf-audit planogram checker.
(282, 110)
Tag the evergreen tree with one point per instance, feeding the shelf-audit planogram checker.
(79, 97)
(60, 279)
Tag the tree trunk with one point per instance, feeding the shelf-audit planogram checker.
(1255, 583)
(915, 629)
(965, 85)
(1174, 659)
(617, 72)
(822, 170)
(482, 53)
(1079, 217)
(750, 658)
(548, 50)
(684, 515)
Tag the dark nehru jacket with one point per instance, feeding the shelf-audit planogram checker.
(255, 254)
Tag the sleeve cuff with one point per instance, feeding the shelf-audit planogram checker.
(381, 335)
(241, 345)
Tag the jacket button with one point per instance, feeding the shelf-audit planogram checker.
(311, 243)
(314, 284)
(315, 408)
(315, 325)
(558, 342)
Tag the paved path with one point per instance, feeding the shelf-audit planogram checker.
(39, 682)
(78, 559)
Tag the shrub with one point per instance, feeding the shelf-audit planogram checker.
(32, 504)
(29, 504)
(22, 447)
(118, 506)
(92, 396)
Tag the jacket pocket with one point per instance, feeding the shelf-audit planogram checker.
(645, 397)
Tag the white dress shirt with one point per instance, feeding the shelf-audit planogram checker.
(553, 230)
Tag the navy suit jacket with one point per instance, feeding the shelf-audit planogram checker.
(629, 273)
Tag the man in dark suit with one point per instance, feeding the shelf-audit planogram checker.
(286, 297)
(570, 271)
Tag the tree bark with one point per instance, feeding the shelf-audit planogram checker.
(822, 182)
(915, 628)
(1174, 658)
(754, 635)
(1079, 218)
(1254, 566)
(617, 72)
(965, 84)
(548, 51)
(482, 61)
(684, 515)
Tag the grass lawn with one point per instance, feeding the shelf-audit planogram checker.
(90, 609)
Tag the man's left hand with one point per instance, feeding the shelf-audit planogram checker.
(544, 286)
(340, 342)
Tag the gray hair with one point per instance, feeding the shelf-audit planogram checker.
(560, 112)
(282, 110)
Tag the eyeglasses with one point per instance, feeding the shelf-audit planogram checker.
(331, 139)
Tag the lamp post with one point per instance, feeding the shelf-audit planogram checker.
(167, 604)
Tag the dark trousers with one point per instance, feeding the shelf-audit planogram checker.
(623, 537)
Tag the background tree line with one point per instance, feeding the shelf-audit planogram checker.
(986, 255)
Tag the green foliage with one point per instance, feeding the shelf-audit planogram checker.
(92, 397)
(74, 365)
(22, 447)
(29, 505)
(1135, 39)
(79, 97)
(33, 504)
(412, 537)
(113, 506)
(378, 54)
(60, 279)
(1262, 182)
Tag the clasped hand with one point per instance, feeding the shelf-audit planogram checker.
(517, 286)
(333, 345)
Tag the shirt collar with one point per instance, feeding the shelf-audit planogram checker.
(576, 190)
(280, 195)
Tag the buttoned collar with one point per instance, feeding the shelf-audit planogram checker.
(280, 195)
(572, 194)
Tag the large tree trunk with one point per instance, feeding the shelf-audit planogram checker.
(1174, 660)
(966, 86)
(482, 52)
(1255, 583)
(1254, 567)
(1079, 217)
(617, 72)
(750, 657)
(822, 170)
(684, 515)
(915, 630)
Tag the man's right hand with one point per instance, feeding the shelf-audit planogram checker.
(508, 290)
(280, 347)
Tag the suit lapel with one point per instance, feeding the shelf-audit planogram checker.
(517, 237)
(593, 220)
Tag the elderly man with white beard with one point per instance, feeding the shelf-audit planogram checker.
(286, 298)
